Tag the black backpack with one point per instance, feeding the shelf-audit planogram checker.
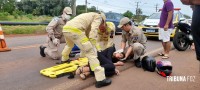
(148, 63)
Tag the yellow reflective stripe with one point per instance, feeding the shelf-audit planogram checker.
(98, 47)
(93, 41)
(72, 29)
(93, 66)
(84, 40)
(110, 24)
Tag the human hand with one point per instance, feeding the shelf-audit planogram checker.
(166, 27)
(56, 42)
(158, 24)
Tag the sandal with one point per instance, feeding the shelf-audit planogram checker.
(161, 54)
(79, 70)
(165, 57)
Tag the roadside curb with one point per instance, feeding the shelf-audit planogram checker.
(78, 84)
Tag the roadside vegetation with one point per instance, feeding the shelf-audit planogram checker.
(44, 11)
(23, 29)
(10, 30)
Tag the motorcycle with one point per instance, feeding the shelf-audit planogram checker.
(183, 37)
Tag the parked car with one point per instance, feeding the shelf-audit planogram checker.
(115, 18)
(150, 24)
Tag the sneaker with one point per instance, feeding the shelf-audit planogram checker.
(138, 63)
(42, 51)
(102, 83)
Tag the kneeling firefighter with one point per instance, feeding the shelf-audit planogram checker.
(83, 31)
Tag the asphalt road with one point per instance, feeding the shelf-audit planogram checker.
(19, 68)
(184, 65)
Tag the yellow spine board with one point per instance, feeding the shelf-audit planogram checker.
(61, 69)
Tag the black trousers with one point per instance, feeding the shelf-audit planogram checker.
(105, 59)
(196, 30)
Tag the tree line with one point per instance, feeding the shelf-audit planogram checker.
(39, 7)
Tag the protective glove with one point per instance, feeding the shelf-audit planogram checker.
(56, 42)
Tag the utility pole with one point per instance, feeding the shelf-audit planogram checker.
(86, 6)
(137, 13)
(73, 7)
(156, 7)
(137, 4)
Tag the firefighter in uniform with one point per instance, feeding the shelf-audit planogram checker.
(55, 35)
(83, 31)
(106, 36)
(136, 40)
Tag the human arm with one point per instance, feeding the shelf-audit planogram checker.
(170, 10)
(94, 31)
(111, 35)
(169, 18)
(191, 2)
(51, 26)
(123, 41)
(51, 29)
(129, 51)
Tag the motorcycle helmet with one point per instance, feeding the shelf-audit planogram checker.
(164, 68)
(149, 63)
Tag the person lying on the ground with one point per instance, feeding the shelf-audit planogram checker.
(105, 59)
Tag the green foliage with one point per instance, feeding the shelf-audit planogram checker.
(4, 16)
(128, 14)
(43, 7)
(39, 29)
(139, 18)
(30, 16)
(7, 6)
(81, 9)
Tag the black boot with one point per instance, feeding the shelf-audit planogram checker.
(61, 62)
(42, 51)
(138, 63)
(102, 83)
